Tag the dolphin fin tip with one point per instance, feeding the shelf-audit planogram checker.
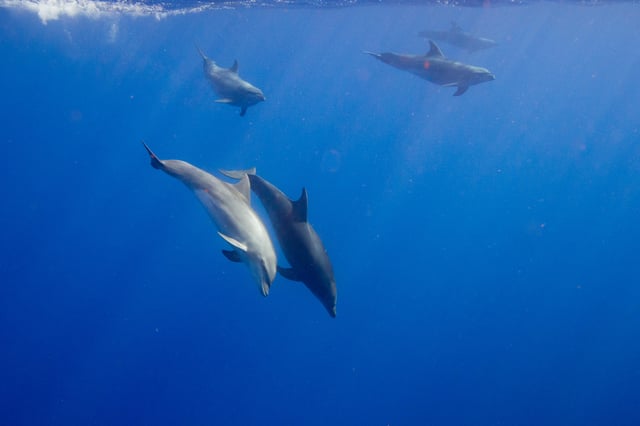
(155, 161)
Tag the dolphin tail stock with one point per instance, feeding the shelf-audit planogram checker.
(238, 174)
(156, 163)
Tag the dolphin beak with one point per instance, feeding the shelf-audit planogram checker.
(375, 55)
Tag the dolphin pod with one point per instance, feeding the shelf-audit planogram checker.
(227, 84)
(229, 205)
(300, 243)
(229, 208)
(437, 69)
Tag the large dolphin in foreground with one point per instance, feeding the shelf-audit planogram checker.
(456, 37)
(227, 84)
(300, 243)
(229, 207)
(434, 67)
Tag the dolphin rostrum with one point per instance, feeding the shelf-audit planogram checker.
(229, 207)
(456, 37)
(300, 243)
(227, 84)
(434, 67)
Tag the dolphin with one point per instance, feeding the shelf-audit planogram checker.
(300, 243)
(456, 37)
(227, 84)
(434, 67)
(229, 207)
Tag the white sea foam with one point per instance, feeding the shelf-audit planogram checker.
(51, 10)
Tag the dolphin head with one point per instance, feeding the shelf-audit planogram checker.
(330, 302)
(254, 95)
(263, 270)
(327, 294)
(480, 75)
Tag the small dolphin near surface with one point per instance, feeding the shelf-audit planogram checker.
(300, 243)
(229, 207)
(456, 37)
(434, 67)
(227, 84)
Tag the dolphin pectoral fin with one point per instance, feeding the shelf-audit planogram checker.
(223, 101)
(232, 255)
(243, 111)
(461, 90)
(289, 273)
(237, 174)
(234, 67)
(237, 244)
(155, 161)
(300, 207)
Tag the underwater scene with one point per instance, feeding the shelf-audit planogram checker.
(393, 213)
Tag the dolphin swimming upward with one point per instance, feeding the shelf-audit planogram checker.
(229, 86)
(434, 67)
(456, 37)
(300, 243)
(229, 208)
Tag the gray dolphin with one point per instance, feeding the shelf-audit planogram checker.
(229, 207)
(300, 243)
(227, 84)
(434, 67)
(456, 37)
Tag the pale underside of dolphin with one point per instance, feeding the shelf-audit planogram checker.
(229, 208)
(301, 245)
(436, 68)
(228, 85)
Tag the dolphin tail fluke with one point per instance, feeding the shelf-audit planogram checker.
(375, 55)
(238, 174)
(155, 161)
(204, 57)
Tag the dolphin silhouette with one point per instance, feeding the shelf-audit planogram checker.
(300, 243)
(229, 207)
(227, 84)
(434, 67)
(456, 37)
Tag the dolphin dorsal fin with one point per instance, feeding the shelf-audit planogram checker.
(244, 188)
(434, 50)
(237, 244)
(299, 212)
(237, 174)
(234, 67)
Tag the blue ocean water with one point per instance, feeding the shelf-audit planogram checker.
(485, 246)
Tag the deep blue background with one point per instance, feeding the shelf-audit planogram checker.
(485, 246)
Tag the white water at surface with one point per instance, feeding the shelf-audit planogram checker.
(51, 10)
